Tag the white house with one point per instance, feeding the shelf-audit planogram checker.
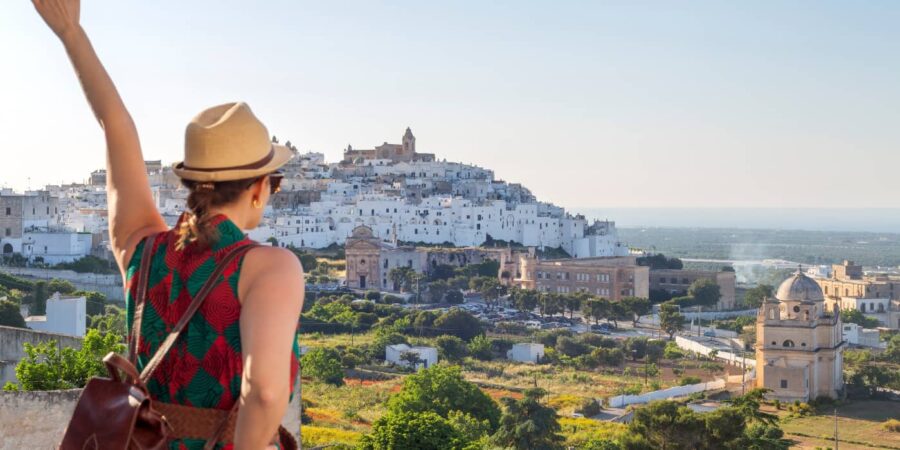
(65, 315)
(526, 352)
(857, 335)
(428, 356)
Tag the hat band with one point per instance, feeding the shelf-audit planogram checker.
(254, 165)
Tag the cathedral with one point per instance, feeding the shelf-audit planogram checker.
(799, 346)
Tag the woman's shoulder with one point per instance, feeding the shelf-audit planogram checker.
(266, 258)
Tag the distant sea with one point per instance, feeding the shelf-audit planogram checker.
(877, 220)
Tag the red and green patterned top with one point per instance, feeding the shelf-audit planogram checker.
(203, 369)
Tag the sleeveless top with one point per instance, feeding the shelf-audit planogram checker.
(203, 368)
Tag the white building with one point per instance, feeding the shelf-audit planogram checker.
(526, 352)
(65, 315)
(864, 337)
(56, 247)
(428, 356)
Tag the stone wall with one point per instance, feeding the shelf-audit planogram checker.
(12, 342)
(109, 285)
(38, 419)
(35, 420)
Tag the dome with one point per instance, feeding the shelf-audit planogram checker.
(799, 288)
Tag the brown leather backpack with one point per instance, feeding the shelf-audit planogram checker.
(118, 413)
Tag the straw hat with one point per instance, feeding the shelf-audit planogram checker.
(227, 142)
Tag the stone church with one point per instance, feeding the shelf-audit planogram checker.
(799, 346)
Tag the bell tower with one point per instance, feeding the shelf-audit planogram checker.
(409, 143)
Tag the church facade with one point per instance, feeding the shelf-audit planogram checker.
(799, 345)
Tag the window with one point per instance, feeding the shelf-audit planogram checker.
(784, 384)
(8, 211)
(9, 232)
(385, 263)
(788, 343)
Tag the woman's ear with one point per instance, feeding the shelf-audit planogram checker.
(257, 189)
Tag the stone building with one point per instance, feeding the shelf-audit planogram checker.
(406, 151)
(370, 259)
(677, 282)
(876, 296)
(612, 278)
(21, 213)
(799, 344)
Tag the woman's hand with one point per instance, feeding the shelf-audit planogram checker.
(60, 15)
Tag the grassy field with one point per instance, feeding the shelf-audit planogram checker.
(860, 426)
(342, 415)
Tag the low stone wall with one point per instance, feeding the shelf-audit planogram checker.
(109, 285)
(12, 349)
(38, 419)
(621, 401)
(35, 420)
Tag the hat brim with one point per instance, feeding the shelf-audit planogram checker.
(281, 157)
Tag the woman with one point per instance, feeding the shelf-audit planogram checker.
(241, 345)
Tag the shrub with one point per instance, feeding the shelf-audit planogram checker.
(892, 425)
(590, 408)
(324, 364)
(373, 296)
(684, 381)
(451, 348)
(673, 351)
(480, 348)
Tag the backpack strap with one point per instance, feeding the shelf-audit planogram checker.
(192, 308)
(142, 280)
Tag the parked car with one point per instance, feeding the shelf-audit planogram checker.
(710, 333)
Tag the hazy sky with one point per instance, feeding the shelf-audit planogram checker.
(601, 104)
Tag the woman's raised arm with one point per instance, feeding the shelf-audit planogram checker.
(132, 213)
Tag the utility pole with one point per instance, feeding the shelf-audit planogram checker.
(836, 441)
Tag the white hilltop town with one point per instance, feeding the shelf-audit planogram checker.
(400, 194)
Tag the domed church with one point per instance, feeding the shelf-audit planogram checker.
(799, 346)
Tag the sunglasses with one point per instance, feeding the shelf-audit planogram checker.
(274, 182)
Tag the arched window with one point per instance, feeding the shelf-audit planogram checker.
(881, 307)
(788, 343)
(362, 262)
(771, 313)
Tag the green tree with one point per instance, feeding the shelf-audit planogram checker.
(550, 304)
(596, 309)
(490, 290)
(705, 292)
(437, 289)
(527, 424)
(95, 302)
(402, 278)
(38, 299)
(451, 348)
(524, 300)
(667, 425)
(670, 319)
(323, 364)
(754, 297)
(659, 261)
(480, 348)
(111, 321)
(64, 287)
(48, 367)
(454, 297)
(748, 405)
(9, 315)
(423, 430)
(441, 389)
(636, 307)
(572, 303)
(857, 317)
(459, 323)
